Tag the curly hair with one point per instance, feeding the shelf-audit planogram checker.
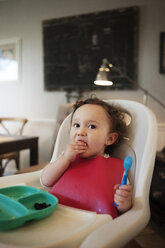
(115, 115)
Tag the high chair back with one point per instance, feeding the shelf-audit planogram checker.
(142, 147)
(71, 227)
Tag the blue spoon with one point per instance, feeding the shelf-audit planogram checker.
(127, 166)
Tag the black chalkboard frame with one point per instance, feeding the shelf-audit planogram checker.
(162, 52)
(74, 47)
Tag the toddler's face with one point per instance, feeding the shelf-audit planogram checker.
(90, 124)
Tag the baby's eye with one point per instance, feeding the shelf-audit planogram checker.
(92, 126)
(76, 125)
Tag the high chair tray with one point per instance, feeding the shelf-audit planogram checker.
(19, 204)
(66, 227)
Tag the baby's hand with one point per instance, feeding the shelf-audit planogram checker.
(123, 197)
(74, 149)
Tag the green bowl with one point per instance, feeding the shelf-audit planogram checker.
(18, 205)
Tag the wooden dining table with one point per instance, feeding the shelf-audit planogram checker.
(11, 143)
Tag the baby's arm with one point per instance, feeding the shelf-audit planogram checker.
(53, 171)
(123, 197)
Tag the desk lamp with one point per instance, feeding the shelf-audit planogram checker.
(103, 78)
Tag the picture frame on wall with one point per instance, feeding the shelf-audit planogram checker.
(162, 52)
(10, 60)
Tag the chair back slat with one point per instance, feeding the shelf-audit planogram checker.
(12, 125)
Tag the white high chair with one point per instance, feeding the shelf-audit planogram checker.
(69, 227)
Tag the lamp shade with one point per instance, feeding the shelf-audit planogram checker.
(103, 75)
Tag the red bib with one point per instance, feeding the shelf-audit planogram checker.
(89, 184)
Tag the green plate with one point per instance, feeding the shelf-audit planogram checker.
(18, 205)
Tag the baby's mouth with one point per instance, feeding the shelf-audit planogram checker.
(82, 141)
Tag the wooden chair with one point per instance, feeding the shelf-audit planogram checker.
(11, 126)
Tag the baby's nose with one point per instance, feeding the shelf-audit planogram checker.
(81, 132)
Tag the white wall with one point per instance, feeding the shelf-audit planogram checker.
(23, 19)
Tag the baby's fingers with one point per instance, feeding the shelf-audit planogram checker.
(117, 186)
(126, 187)
(123, 193)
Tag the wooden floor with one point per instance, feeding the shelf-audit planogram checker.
(153, 236)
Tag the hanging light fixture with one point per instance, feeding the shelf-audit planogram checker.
(103, 75)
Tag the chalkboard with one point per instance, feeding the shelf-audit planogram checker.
(74, 47)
